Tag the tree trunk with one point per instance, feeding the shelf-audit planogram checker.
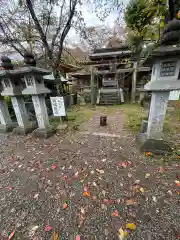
(134, 79)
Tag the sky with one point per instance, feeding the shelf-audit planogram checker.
(91, 19)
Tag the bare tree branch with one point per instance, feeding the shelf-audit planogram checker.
(49, 18)
(65, 31)
(59, 26)
(38, 26)
(10, 41)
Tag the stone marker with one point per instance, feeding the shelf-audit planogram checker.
(12, 86)
(165, 78)
(35, 86)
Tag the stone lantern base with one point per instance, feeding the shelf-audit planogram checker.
(152, 145)
(43, 132)
(26, 129)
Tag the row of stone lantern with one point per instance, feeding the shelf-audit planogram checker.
(13, 86)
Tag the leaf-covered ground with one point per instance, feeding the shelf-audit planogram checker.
(87, 184)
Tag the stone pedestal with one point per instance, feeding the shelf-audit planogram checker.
(24, 126)
(152, 145)
(152, 140)
(157, 113)
(6, 123)
(44, 129)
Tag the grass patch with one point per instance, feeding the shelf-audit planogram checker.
(134, 115)
(76, 116)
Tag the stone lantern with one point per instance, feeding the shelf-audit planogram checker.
(165, 78)
(12, 86)
(34, 81)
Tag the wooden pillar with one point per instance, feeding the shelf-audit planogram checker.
(93, 90)
(134, 79)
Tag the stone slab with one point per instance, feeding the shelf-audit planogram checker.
(43, 132)
(26, 129)
(152, 145)
(7, 128)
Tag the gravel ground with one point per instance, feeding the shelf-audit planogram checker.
(88, 185)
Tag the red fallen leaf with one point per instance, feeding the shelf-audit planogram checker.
(11, 235)
(65, 205)
(48, 228)
(125, 164)
(85, 189)
(53, 166)
(115, 213)
(177, 176)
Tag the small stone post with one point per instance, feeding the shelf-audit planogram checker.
(12, 87)
(35, 86)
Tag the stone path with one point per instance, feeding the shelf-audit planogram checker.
(90, 183)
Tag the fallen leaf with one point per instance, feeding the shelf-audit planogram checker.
(125, 164)
(170, 192)
(94, 184)
(177, 183)
(76, 174)
(122, 234)
(10, 188)
(141, 190)
(147, 175)
(55, 236)
(86, 194)
(36, 195)
(130, 202)
(129, 175)
(137, 181)
(100, 171)
(103, 193)
(115, 213)
(154, 199)
(82, 210)
(131, 226)
(53, 166)
(33, 230)
(65, 206)
(103, 206)
(148, 154)
(11, 235)
(48, 228)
